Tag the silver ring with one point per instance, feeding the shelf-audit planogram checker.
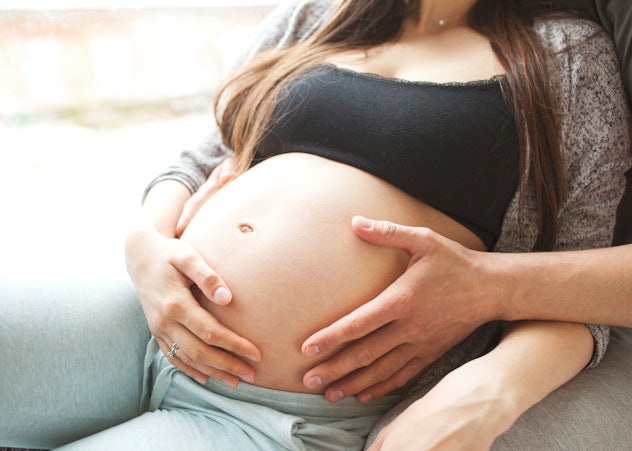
(174, 349)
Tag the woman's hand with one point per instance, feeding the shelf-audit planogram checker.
(481, 399)
(466, 410)
(413, 322)
(163, 271)
(224, 172)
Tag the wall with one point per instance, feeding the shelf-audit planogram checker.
(92, 105)
(77, 62)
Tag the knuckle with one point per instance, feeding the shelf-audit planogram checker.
(365, 357)
(182, 357)
(387, 229)
(184, 257)
(233, 366)
(419, 363)
(192, 355)
(381, 373)
(398, 381)
(209, 278)
(430, 238)
(379, 390)
(328, 374)
(401, 301)
(158, 324)
(425, 233)
(355, 328)
(172, 308)
(209, 336)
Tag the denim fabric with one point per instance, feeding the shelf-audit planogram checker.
(186, 415)
(71, 358)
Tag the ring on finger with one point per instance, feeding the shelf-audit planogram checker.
(173, 350)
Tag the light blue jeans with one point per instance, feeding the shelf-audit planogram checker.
(71, 358)
(183, 414)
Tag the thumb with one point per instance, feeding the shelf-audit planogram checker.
(386, 233)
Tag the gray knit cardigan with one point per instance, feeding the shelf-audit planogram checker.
(596, 135)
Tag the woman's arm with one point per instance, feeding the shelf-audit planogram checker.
(480, 400)
(163, 269)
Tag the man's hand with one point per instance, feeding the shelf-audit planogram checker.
(433, 306)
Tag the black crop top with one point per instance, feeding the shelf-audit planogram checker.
(453, 146)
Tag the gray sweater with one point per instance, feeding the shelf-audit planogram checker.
(596, 135)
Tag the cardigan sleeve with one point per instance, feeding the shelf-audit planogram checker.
(596, 146)
(287, 24)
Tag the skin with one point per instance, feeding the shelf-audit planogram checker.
(477, 402)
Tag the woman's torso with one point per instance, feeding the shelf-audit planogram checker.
(280, 234)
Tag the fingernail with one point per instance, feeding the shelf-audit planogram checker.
(365, 398)
(253, 357)
(247, 378)
(231, 382)
(335, 396)
(201, 380)
(221, 296)
(314, 382)
(363, 222)
(312, 351)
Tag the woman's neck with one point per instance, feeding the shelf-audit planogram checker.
(437, 15)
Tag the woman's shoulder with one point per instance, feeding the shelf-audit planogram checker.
(583, 54)
(296, 19)
(566, 33)
(288, 23)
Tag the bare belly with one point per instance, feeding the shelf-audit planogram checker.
(280, 236)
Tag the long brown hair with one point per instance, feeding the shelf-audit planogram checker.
(245, 101)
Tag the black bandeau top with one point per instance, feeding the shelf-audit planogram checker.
(453, 146)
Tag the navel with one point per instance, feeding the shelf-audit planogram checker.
(246, 228)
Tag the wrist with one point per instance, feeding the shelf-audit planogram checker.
(519, 284)
(163, 206)
(137, 245)
(495, 284)
(471, 403)
(538, 286)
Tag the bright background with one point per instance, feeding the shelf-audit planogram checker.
(94, 101)
(49, 5)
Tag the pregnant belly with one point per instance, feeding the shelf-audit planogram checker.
(280, 236)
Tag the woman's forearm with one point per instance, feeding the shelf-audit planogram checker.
(533, 359)
(162, 207)
(592, 286)
(474, 404)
